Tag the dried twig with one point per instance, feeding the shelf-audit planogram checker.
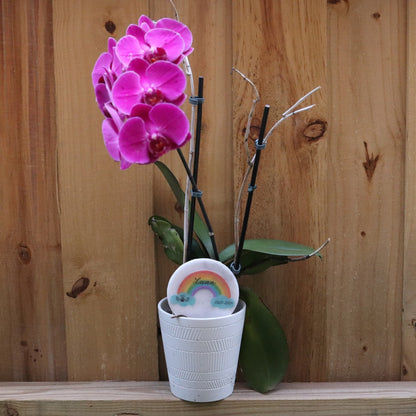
(291, 111)
(247, 174)
(250, 114)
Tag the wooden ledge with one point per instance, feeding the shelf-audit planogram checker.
(153, 398)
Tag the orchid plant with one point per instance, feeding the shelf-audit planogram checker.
(139, 84)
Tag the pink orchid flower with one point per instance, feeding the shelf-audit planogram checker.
(152, 131)
(154, 45)
(106, 70)
(107, 66)
(179, 28)
(146, 24)
(149, 84)
(166, 39)
(111, 127)
(139, 87)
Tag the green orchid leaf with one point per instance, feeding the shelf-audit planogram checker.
(258, 255)
(272, 247)
(171, 237)
(264, 353)
(197, 251)
(253, 262)
(200, 228)
(172, 182)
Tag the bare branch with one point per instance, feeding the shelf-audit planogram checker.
(291, 112)
(250, 165)
(301, 100)
(175, 10)
(251, 113)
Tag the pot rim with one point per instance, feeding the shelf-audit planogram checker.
(163, 307)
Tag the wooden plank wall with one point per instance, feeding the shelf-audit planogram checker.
(409, 282)
(72, 222)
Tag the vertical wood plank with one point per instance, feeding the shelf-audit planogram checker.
(32, 331)
(409, 284)
(210, 23)
(281, 47)
(106, 242)
(365, 188)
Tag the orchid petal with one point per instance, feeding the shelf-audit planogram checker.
(103, 62)
(179, 101)
(114, 114)
(137, 32)
(116, 66)
(111, 138)
(133, 141)
(112, 43)
(180, 28)
(102, 96)
(128, 48)
(166, 39)
(171, 122)
(124, 164)
(141, 111)
(138, 65)
(188, 51)
(168, 78)
(127, 91)
(146, 23)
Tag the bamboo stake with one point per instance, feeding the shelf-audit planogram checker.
(235, 266)
(199, 101)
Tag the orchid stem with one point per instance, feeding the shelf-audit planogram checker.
(235, 266)
(188, 72)
(201, 204)
(195, 165)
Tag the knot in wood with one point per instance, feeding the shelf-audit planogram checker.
(315, 130)
(78, 287)
(254, 131)
(370, 162)
(110, 26)
(24, 253)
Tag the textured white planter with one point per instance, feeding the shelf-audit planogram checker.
(201, 353)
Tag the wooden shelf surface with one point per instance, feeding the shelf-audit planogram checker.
(110, 398)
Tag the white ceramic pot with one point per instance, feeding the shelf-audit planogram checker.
(201, 353)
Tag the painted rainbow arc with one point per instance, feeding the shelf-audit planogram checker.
(204, 280)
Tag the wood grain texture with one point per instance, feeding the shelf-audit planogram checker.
(281, 47)
(151, 399)
(71, 223)
(365, 188)
(32, 330)
(106, 242)
(409, 283)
